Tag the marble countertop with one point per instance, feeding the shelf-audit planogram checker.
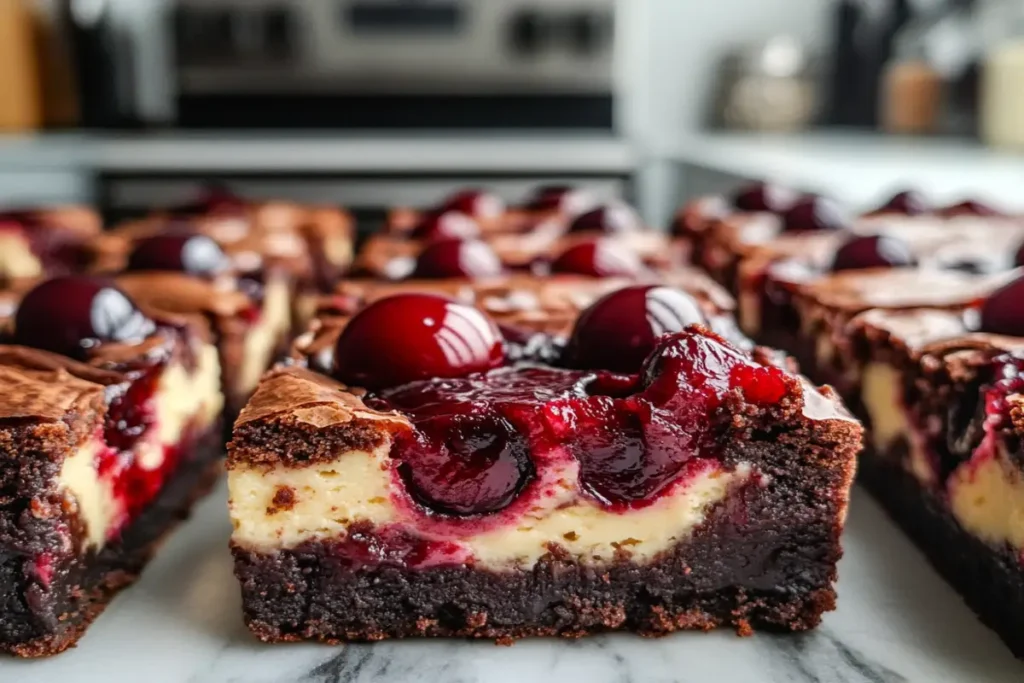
(896, 622)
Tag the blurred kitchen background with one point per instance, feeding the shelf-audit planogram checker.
(371, 103)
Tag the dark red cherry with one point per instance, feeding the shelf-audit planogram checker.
(560, 198)
(70, 315)
(970, 207)
(409, 337)
(813, 214)
(464, 464)
(192, 254)
(457, 258)
(610, 219)
(1018, 258)
(618, 330)
(1003, 311)
(873, 251)
(598, 258)
(908, 203)
(445, 224)
(479, 204)
(761, 197)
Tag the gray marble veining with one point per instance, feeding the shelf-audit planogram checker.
(896, 622)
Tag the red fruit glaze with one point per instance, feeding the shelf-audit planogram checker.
(445, 224)
(1003, 311)
(873, 251)
(763, 197)
(479, 204)
(409, 337)
(193, 254)
(70, 315)
(907, 203)
(457, 258)
(611, 219)
(393, 545)
(618, 330)
(598, 258)
(813, 214)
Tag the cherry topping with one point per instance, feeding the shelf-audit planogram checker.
(409, 337)
(598, 258)
(192, 254)
(618, 330)
(761, 197)
(70, 315)
(1001, 312)
(970, 207)
(457, 258)
(908, 203)
(479, 204)
(441, 224)
(561, 198)
(813, 214)
(612, 219)
(464, 464)
(873, 251)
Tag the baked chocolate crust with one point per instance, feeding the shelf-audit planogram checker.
(989, 580)
(764, 558)
(44, 617)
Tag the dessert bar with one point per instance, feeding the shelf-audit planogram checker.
(45, 242)
(416, 471)
(109, 430)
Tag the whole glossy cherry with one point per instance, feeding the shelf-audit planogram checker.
(618, 330)
(598, 258)
(70, 315)
(408, 337)
(457, 258)
(764, 197)
(193, 254)
(475, 203)
(907, 203)
(970, 207)
(435, 225)
(560, 198)
(1003, 311)
(814, 214)
(611, 219)
(873, 251)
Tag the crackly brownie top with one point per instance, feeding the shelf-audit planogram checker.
(44, 386)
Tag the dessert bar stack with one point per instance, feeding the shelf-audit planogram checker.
(914, 314)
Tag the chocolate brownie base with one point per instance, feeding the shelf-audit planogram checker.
(990, 581)
(763, 559)
(36, 622)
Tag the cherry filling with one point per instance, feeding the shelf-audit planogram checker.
(618, 330)
(457, 258)
(598, 258)
(764, 197)
(479, 443)
(814, 214)
(445, 224)
(70, 315)
(193, 254)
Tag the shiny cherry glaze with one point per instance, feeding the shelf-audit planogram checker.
(970, 207)
(479, 443)
(764, 197)
(611, 219)
(1003, 311)
(192, 254)
(873, 251)
(457, 258)
(560, 198)
(618, 330)
(813, 214)
(598, 258)
(70, 315)
(907, 203)
(435, 225)
(409, 337)
(475, 203)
